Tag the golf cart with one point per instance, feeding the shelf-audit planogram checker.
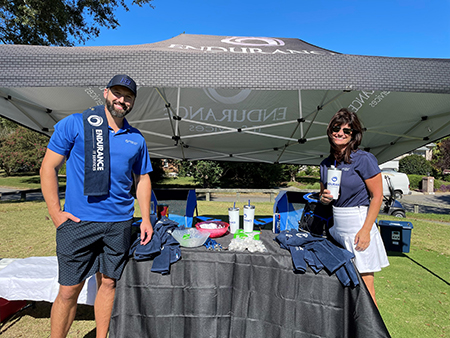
(391, 205)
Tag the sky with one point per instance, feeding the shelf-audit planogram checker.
(397, 28)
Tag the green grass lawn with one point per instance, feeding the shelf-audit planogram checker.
(24, 181)
(412, 293)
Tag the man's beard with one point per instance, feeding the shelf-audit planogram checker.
(114, 113)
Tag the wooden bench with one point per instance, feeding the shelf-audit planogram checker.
(238, 192)
(23, 192)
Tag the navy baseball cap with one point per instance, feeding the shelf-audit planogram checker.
(124, 81)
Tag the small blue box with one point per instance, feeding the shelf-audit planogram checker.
(396, 235)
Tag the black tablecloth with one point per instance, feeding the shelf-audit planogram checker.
(237, 295)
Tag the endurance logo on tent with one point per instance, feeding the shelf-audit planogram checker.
(216, 97)
(252, 41)
(246, 45)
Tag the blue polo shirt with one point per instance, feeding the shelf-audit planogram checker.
(353, 191)
(128, 154)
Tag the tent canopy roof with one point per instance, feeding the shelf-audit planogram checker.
(235, 98)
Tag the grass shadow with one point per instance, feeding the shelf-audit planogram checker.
(41, 310)
(400, 254)
(32, 180)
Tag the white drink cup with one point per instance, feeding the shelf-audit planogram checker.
(233, 219)
(334, 181)
(249, 216)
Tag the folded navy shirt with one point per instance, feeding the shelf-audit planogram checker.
(318, 253)
(162, 248)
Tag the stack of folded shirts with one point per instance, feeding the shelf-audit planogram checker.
(163, 248)
(318, 253)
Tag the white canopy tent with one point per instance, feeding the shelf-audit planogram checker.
(248, 99)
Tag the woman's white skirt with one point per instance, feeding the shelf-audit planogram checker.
(347, 222)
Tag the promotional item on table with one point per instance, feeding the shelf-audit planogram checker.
(163, 248)
(318, 253)
(334, 181)
(306, 249)
(233, 218)
(249, 217)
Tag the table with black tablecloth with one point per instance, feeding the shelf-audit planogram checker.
(239, 294)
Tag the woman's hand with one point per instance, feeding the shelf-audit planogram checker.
(375, 187)
(362, 239)
(325, 197)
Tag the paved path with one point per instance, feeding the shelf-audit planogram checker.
(438, 203)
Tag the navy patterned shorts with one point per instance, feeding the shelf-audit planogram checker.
(85, 248)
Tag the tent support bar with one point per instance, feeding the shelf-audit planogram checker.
(300, 110)
(168, 109)
(441, 127)
(170, 113)
(400, 137)
(320, 107)
(315, 113)
(17, 104)
(372, 131)
(177, 122)
(155, 134)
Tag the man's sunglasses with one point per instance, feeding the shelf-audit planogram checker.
(347, 131)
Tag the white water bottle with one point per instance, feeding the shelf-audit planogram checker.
(249, 216)
(334, 181)
(233, 216)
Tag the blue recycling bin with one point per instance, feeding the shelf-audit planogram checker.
(396, 235)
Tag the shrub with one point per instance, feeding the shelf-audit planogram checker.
(415, 165)
(313, 171)
(252, 175)
(438, 184)
(22, 151)
(415, 182)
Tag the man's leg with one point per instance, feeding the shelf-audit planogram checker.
(64, 309)
(104, 303)
(369, 280)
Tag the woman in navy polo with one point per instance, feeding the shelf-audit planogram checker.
(361, 195)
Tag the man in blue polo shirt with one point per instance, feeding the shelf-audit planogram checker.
(103, 154)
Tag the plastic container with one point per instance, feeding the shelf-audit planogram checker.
(191, 237)
(249, 217)
(233, 219)
(10, 307)
(220, 230)
(334, 181)
(396, 235)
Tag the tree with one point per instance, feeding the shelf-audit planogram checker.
(57, 22)
(290, 170)
(6, 127)
(252, 175)
(441, 154)
(158, 173)
(22, 151)
(207, 173)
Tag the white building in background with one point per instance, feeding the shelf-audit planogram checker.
(425, 151)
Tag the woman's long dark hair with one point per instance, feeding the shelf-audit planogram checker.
(344, 116)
